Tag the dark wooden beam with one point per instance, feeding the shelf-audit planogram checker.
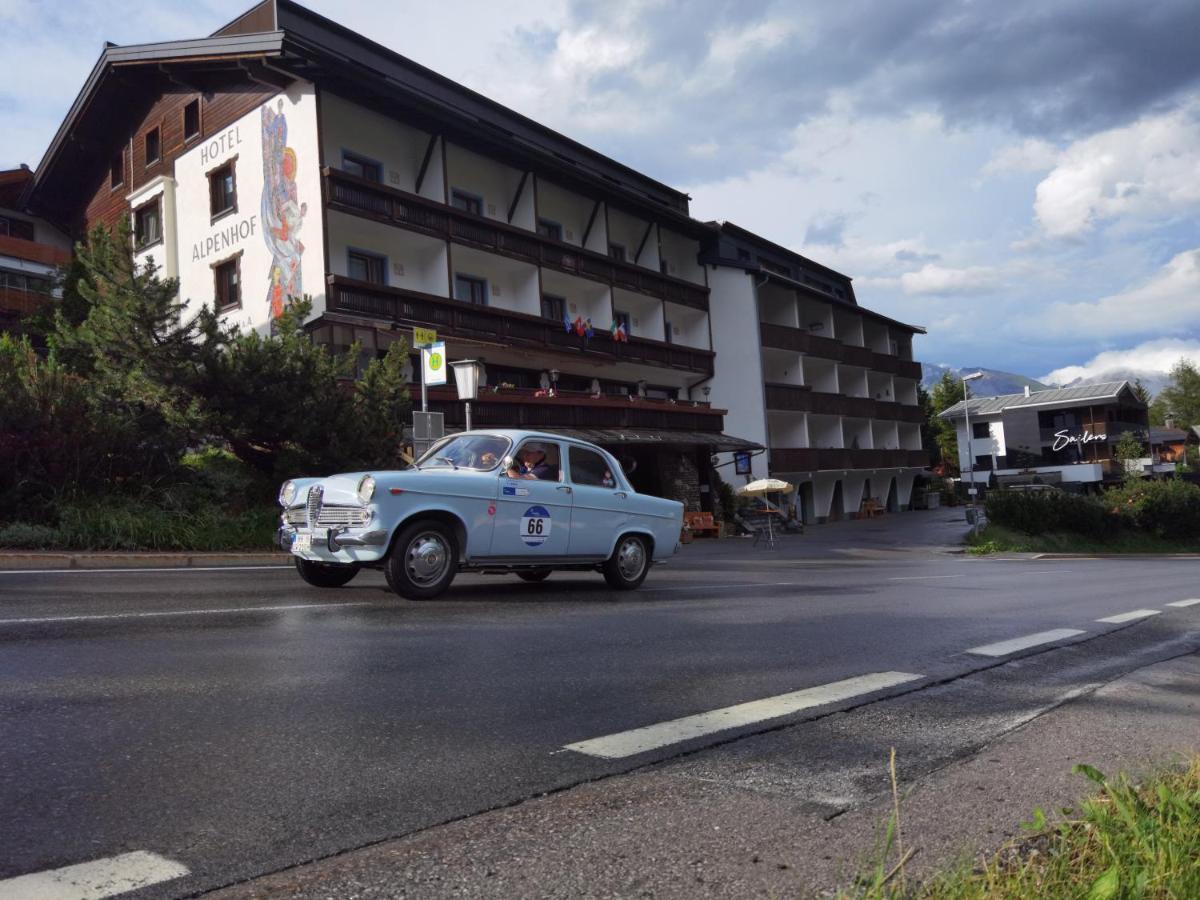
(512, 208)
(591, 221)
(642, 245)
(425, 163)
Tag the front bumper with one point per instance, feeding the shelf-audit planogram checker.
(338, 544)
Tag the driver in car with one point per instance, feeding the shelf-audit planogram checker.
(531, 464)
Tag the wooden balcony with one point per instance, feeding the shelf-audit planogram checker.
(808, 459)
(798, 398)
(19, 248)
(14, 301)
(453, 318)
(782, 337)
(520, 408)
(369, 199)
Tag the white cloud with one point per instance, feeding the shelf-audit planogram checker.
(1151, 358)
(1149, 169)
(1169, 300)
(941, 281)
(1031, 155)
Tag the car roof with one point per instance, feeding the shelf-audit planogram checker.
(517, 434)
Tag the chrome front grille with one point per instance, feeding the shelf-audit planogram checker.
(316, 498)
(328, 516)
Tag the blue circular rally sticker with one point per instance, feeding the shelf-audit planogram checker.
(535, 526)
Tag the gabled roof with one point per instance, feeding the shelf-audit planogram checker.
(1168, 435)
(1068, 396)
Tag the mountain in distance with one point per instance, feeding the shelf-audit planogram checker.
(1154, 381)
(992, 384)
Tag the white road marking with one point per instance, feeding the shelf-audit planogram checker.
(741, 586)
(1003, 648)
(96, 879)
(176, 612)
(921, 577)
(1130, 616)
(651, 737)
(1182, 603)
(286, 567)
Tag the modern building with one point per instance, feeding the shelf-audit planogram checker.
(1062, 435)
(31, 250)
(285, 155)
(828, 386)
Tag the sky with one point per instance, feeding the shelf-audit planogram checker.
(1020, 178)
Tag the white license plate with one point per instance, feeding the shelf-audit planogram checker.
(302, 543)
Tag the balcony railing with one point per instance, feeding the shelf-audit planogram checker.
(799, 398)
(21, 302)
(19, 248)
(360, 196)
(784, 337)
(454, 318)
(516, 408)
(814, 460)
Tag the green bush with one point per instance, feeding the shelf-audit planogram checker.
(1052, 511)
(1168, 509)
(26, 536)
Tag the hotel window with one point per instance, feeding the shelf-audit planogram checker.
(116, 170)
(668, 332)
(471, 203)
(664, 266)
(471, 290)
(5, 226)
(153, 146)
(553, 307)
(366, 267)
(147, 224)
(222, 191)
(548, 228)
(191, 120)
(980, 430)
(623, 319)
(617, 252)
(227, 289)
(362, 167)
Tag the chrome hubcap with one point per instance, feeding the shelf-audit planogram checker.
(631, 559)
(427, 558)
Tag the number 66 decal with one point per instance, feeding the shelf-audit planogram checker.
(535, 526)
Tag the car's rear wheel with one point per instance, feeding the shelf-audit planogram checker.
(325, 575)
(423, 561)
(534, 575)
(629, 563)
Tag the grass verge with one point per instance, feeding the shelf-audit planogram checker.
(1000, 539)
(1129, 840)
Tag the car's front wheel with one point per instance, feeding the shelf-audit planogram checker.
(325, 575)
(423, 561)
(534, 575)
(629, 563)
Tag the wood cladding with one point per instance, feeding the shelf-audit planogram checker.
(253, 21)
(218, 111)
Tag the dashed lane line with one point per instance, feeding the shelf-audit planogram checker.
(664, 734)
(1003, 648)
(95, 880)
(1131, 616)
(1182, 603)
(102, 617)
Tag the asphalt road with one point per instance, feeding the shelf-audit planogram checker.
(240, 722)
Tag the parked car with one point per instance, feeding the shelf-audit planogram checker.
(521, 502)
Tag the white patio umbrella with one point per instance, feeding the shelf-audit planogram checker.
(761, 488)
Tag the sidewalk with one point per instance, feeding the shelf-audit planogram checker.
(22, 559)
(686, 828)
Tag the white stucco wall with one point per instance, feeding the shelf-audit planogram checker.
(495, 182)
(738, 383)
(289, 243)
(164, 254)
(348, 127)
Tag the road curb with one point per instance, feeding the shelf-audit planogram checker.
(64, 560)
(1116, 556)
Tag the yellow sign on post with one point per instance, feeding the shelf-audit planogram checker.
(424, 337)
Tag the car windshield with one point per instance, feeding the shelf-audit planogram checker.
(472, 451)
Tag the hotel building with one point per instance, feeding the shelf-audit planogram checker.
(31, 250)
(285, 155)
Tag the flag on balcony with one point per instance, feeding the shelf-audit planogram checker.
(580, 328)
(618, 331)
(567, 323)
(588, 331)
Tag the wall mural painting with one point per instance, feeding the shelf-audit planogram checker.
(282, 212)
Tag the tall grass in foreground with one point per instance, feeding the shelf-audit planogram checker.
(1130, 840)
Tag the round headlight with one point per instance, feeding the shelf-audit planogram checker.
(366, 488)
(287, 493)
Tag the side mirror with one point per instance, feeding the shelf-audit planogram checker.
(507, 463)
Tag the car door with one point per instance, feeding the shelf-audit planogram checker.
(601, 503)
(533, 516)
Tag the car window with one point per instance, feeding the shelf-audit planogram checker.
(536, 461)
(475, 451)
(591, 469)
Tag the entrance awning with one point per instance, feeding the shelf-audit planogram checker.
(715, 442)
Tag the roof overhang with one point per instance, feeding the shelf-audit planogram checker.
(714, 442)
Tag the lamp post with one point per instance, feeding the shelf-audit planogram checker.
(466, 378)
(972, 491)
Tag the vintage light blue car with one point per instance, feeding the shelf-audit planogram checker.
(498, 501)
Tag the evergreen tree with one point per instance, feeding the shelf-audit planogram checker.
(1181, 397)
(947, 391)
